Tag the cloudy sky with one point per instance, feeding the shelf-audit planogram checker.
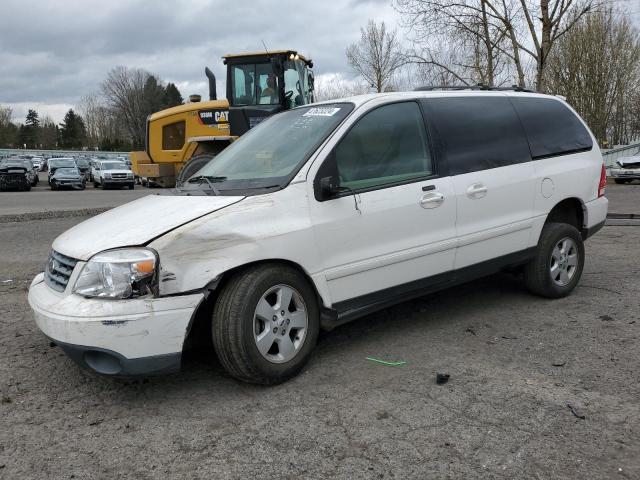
(52, 52)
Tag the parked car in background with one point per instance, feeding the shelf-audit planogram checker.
(84, 166)
(67, 177)
(112, 173)
(13, 175)
(61, 162)
(32, 172)
(628, 169)
(37, 162)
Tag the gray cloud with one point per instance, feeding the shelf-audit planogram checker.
(53, 52)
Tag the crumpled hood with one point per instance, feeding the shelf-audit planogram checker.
(136, 223)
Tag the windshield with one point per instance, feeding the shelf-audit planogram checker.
(114, 166)
(67, 171)
(270, 154)
(61, 163)
(82, 163)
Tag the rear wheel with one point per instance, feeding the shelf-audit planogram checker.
(265, 324)
(556, 269)
(620, 180)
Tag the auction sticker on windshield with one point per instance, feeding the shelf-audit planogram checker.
(321, 112)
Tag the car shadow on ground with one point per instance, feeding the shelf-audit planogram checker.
(442, 312)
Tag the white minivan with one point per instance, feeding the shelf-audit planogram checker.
(323, 214)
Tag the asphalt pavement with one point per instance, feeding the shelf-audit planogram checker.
(544, 389)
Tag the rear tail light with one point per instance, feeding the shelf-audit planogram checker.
(603, 181)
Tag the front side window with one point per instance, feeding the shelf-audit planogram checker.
(173, 136)
(386, 146)
(271, 153)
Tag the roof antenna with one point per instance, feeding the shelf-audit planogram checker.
(265, 46)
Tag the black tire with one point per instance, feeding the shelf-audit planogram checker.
(537, 275)
(27, 188)
(53, 186)
(233, 324)
(103, 185)
(619, 180)
(131, 187)
(95, 184)
(83, 186)
(192, 166)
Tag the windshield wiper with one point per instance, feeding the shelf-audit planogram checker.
(206, 177)
(209, 181)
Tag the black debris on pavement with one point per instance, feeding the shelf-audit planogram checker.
(575, 414)
(442, 378)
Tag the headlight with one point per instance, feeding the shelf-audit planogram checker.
(107, 175)
(123, 273)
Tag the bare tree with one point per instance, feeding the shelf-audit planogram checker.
(377, 56)
(331, 86)
(503, 28)
(131, 94)
(597, 67)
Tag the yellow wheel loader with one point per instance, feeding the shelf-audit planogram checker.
(180, 140)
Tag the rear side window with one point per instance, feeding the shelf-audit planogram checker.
(386, 146)
(173, 136)
(551, 128)
(475, 133)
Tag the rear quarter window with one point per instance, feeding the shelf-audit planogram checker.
(477, 133)
(551, 127)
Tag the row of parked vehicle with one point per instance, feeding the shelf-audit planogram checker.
(22, 172)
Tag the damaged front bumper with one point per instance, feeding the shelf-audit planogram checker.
(115, 337)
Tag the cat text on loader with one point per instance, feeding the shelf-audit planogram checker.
(180, 140)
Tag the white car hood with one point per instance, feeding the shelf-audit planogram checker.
(117, 171)
(136, 223)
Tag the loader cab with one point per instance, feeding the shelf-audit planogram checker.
(262, 84)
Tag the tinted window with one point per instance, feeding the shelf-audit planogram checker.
(387, 145)
(552, 129)
(476, 133)
(173, 136)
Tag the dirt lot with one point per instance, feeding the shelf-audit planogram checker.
(516, 363)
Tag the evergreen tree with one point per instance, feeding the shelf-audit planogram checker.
(72, 130)
(29, 131)
(172, 96)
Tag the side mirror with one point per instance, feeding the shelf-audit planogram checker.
(329, 187)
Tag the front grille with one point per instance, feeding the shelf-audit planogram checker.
(58, 270)
(118, 175)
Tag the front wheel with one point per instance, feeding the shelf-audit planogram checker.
(556, 269)
(620, 180)
(265, 324)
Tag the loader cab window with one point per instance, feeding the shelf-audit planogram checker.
(173, 136)
(254, 84)
(296, 83)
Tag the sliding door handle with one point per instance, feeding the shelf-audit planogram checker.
(477, 190)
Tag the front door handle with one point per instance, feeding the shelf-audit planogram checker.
(431, 200)
(477, 190)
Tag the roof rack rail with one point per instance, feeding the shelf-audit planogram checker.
(480, 86)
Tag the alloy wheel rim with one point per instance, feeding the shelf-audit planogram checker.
(564, 262)
(280, 323)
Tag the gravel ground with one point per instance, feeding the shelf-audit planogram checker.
(516, 363)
